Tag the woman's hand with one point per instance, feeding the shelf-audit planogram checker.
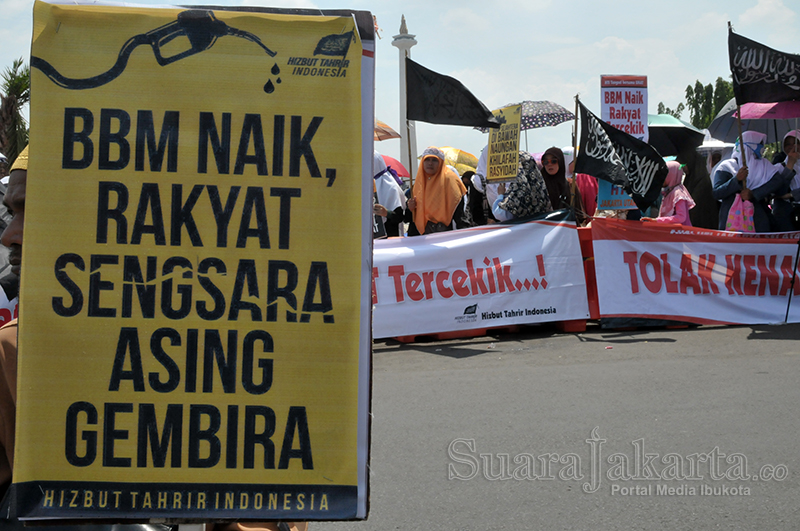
(741, 175)
(412, 203)
(501, 189)
(379, 210)
(747, 194)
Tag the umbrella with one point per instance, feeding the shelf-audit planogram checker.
(781, 110)
(671, 136)
(712, 144)
(725, 126)
(384, 132)
(396, 166)
(459, 159)
(539, 114)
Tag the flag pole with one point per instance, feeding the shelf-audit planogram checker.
(741, 144)
(741, 140)
(739, 117)
(410, 170)
(791, 286)
(575, 132)
(411, 154)
(573, 183)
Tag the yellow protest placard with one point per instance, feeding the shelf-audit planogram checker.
(193, 342)
(503, 160)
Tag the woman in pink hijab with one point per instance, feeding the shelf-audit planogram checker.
(676, 201)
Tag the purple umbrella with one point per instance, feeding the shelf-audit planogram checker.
(725, 126)
(781, 110)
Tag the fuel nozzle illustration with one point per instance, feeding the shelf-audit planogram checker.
(200, 27)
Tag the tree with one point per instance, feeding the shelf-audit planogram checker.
(672, 112)
(704, 102)
(723, 92)
(694, 102)
(707, 110)
(15, 92)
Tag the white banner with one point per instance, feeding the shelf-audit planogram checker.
(697, 275)
(482, 277)
(623, 104)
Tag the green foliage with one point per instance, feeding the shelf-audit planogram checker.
(704, 102)
(15, 92)
(771, 149)
(693, 103)
(723, 92)
(708, 105)
(672, 112)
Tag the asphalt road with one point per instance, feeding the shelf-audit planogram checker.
(649, 429)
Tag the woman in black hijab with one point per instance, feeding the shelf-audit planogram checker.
(555, 177)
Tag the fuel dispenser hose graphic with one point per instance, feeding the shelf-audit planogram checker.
(200, 27)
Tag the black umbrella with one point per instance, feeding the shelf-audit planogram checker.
(671, 136)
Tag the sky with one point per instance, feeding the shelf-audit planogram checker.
(512, 50)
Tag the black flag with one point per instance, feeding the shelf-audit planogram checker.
(612, 155)
(439, 99)
(334, 44)
(761, 74)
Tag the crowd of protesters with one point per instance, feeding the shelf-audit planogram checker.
(750, 176)
(441, 199)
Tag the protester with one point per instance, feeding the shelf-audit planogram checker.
(436, 202)
(391, 199)
(9, 282)
(554, 173)
(476, 200)
(588, 188)
(14, 201)
(526, 196)
(586, 185)
(488, 190)
(569, 161)
(676, 201)
(787, 217)
(466, 218)
(713, 159)
(755, 182)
